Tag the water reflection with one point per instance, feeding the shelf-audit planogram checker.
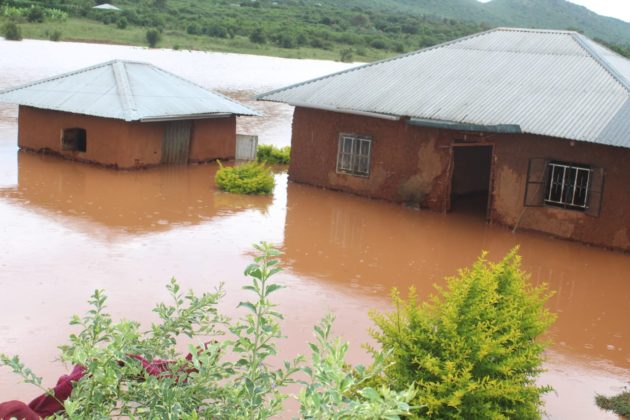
(137, 202)
(371, 246)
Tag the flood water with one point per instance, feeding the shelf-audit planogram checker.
(69, 228)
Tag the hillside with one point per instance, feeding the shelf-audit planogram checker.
(346, 30)
(548, 14)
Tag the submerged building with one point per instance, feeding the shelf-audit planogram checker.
(530, 127)
(125, 114)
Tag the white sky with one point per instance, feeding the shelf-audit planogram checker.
(615, 8)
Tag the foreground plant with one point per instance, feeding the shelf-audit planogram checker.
(473, 349)
(128, 372)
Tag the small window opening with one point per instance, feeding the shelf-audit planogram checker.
(353, 156)
(567, 185)
(74, 139)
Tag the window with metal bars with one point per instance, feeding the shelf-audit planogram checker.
(567, 185)
(353, 156)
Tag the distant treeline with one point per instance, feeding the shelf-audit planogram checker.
(350, 30)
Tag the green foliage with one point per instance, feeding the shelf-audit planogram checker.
(273, 155)
(345, 55)
(620, 404)
(122, 23)
(472, 350)
(153, 37)
(335, 390)
(230, 377)
(35, 14)
(12, 32)
(248, 178)
(55, 35)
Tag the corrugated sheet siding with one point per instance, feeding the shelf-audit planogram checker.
(544, 81)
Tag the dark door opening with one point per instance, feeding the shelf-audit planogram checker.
(470, 181)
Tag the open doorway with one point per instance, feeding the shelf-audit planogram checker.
(470, 180)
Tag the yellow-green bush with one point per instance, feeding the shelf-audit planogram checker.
(249, 178)
(273, 155)
(473, 349)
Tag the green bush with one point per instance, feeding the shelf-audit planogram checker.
(472, 350)
(248, 178)
(273, 155)
(122, 23)
(228, 378)
(153, 37)
(55, 36)
(12, 32)
(620, 404)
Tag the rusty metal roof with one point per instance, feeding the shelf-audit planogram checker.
(547, 82)
(125, 90)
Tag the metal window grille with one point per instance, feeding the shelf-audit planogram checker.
(354, 155)
(568, 185)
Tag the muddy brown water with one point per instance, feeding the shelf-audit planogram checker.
(69, 228)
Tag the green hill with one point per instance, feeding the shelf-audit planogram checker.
(347, 30)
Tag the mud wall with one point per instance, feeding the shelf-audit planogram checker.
(610, 229)
(213, 138)
(109, 142)
(413, 164)
(407, 164)
(119, 143)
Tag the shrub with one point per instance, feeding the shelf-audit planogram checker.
(273, 155)
(35, 15)
(345, 55)
(153, 37)
(248, 178)
(122, 23)
(55, 36)
(258, 36)
(472, 349)
(620, 404)
(228, 379)
(12, 32)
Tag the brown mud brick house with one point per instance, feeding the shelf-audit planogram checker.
(125, 115)
(529, 127)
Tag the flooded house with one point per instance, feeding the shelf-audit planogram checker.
(527, 128)
(125, 114)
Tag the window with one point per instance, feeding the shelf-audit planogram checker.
(353, 156)
(74, 139)
(566, 185)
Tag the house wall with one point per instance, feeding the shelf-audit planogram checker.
(413, 164)
(119, 143)
(213, 138)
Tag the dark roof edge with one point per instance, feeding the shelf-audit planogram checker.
(454, 125)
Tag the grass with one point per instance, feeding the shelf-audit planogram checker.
(620, 404)
(86, 30)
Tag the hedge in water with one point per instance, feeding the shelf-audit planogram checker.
(248, 178)
(472, 350)
(273, 155)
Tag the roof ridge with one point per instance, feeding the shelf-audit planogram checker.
(620, 78)
(125, 94)
(398, 57)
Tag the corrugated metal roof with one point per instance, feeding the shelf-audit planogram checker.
(125, 90)
(107, 6)
(548, 82)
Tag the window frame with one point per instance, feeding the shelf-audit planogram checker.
(569, 185)
(74, 139)
(538, 184)
(354, 155)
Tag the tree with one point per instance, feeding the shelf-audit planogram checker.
(153, 37)
(258, 36)
(12, 32)
(472, 350)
